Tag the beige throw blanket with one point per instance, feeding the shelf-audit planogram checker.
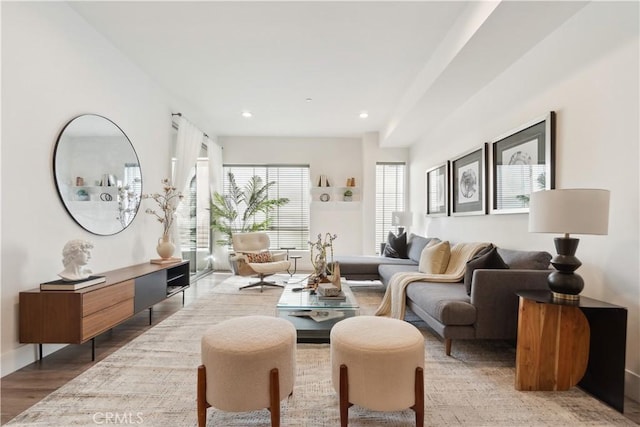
(394, 301)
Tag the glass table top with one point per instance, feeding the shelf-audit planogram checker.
(303, 300)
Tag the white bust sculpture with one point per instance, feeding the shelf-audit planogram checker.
(76, 254)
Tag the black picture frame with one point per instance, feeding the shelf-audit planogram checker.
(522, 161)
(468, 183)
(437, 190)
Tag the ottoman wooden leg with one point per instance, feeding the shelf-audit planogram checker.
(202, 396)
(344, 396)
(418, 407)
(274, 397)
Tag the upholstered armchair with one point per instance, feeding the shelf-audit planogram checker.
(254, 258)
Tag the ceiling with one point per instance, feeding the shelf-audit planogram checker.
(408, 64)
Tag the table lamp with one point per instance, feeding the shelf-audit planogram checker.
(569, 211)
(401, 220)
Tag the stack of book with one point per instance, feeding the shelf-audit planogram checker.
(66, 285)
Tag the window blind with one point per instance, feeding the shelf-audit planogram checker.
(289, 223)
(390, 196)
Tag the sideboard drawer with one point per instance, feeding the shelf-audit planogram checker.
(105, 297)
(105, 319)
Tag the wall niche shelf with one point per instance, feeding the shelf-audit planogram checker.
(336, 194)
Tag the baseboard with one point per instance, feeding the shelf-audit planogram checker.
(632, 385)
(24, 355)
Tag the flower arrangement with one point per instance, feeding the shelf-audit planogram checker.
(128, 202)
(167, 202)
(319, 259)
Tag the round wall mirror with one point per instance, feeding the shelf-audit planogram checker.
(97, 174)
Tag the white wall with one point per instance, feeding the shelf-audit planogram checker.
(587, 71)
(55, 67)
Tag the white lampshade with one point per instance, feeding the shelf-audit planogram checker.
(400, 218)
(570, 211)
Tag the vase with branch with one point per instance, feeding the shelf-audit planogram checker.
(319, 251)
(167, 203)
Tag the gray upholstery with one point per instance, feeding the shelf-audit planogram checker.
(388, 270)
(489, 312)
(415, 245)
(525, 260)
(448, 303)
(365, 267)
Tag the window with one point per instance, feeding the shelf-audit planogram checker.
(390, 194)
(290, 223)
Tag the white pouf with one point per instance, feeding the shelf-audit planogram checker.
(384, 360)
(238, 359)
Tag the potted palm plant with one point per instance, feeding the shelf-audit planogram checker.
(236, 210)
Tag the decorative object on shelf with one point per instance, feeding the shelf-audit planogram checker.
(522, 162)
(108, 180)
(401, 220)
(568, 211)
(235, 211)
(323, 181)
(167, 202)
(79, 181)
(75, 256)
(351, 182)
(321, 268)
(468, 183)
(324, 197)
(82, 195)
(437, 190)
(348, 196)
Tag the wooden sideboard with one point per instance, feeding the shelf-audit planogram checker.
(75, 317)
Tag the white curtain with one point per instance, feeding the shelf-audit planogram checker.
(220, 254)
(188, 144)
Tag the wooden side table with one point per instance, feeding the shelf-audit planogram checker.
(561, 345)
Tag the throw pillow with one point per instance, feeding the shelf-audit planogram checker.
(415, 245)
(396, 246)
(487, 258)
(435, 258)
(259, 257)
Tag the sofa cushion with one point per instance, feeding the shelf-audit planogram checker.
(415, 245)
(488, 258)
(448, 303)
(366, 265)
(525, 260)
(387, 270)
(396, 246)
(435, 258)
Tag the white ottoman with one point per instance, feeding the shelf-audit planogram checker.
(378, 363)
(248, 363)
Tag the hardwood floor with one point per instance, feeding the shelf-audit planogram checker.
(25, 387)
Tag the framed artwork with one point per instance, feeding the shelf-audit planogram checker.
(468, 183)
(522, 162)
(437, 190)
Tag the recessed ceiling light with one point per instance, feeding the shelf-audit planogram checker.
(308, 99)
(364, 115)
(247, 114)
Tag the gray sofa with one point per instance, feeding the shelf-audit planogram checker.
(490, 310)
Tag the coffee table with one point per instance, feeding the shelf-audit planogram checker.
(312, 315)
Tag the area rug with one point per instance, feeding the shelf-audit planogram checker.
(152, 380)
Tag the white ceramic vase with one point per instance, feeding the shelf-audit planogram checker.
(165, 247)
